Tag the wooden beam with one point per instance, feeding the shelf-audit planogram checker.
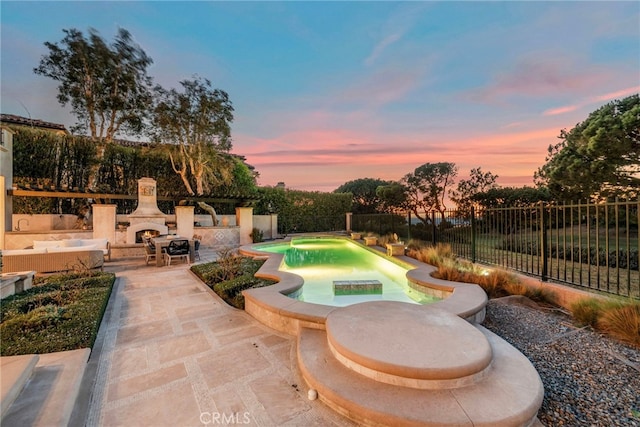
(81, 195)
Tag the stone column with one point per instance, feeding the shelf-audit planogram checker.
(349, 216)
(2, 216)
(6, 171)
(244, 220)
(104, 222)
(274, 226)
(184, 221)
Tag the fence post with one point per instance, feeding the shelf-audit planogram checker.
(433, 223)
(543, 242)
(473, 234)
(408, 225)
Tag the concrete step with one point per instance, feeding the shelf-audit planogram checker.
(49, 396)
(16, 371)
(509, 395)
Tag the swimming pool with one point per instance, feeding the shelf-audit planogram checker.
(323, 261)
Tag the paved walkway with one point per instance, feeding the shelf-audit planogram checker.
(171, 353)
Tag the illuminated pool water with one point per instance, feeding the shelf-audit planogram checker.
(321, 261)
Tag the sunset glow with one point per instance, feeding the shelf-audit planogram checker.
(328, 92)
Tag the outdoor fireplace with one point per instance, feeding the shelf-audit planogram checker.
(146, 234)
(147, 218)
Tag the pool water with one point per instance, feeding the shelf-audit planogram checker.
(321, 261)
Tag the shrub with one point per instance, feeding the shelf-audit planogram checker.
(416, 245)
(257, 235)
(434, 255)
(231, 290)
(492, 283)
(542, 295)
(230, 275)
(622, 322)
(386, 238)
(449, 270)
(230, 263)
(586, 312)
(515, 288)
(62, 312)
(34, 320)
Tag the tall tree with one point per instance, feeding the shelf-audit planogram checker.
(363, 191)
(196, 125)
(107, 85)
(511, 197)
(600, 157)
(478, 182)
(394, 197)
(427, 188)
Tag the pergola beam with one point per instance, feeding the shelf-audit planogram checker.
(84, 195)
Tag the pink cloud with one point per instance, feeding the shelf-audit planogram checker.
(593, 100)
(560, 110)
(537, 77)
(319, 159)
(615, 95)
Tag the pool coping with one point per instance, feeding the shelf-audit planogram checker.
(271, 306)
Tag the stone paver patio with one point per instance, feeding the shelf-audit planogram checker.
(171, 353)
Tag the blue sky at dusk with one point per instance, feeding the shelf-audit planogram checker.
(328, 92)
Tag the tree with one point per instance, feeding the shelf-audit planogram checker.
(196, 124)
(478, 182)
(107, 85)
(426, 188)
(600, 157)
(511, 197)
(394, 197)
(363, 191)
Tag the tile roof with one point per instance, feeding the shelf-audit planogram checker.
(25, 121)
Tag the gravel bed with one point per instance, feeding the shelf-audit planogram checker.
(589, 379)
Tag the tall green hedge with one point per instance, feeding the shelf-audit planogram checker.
(305, 211)
(60, 161)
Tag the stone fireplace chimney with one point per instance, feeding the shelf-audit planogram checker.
(147, 216)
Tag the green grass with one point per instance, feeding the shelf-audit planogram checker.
(59, 313)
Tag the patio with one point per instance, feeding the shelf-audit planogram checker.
(170, 352)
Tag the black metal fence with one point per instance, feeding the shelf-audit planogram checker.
(585, 244)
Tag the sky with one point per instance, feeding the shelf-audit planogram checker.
(329, 92)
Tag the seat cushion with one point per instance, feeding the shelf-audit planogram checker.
(98, 243)
(71, 243)
(39, 244)
(71, 249)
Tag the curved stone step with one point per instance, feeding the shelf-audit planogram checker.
(408, 345)
(509, 395)
(16, 371)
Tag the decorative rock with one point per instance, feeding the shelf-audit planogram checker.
(589, 379)
(312, 394)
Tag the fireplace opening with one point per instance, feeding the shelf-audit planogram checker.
(146, 233)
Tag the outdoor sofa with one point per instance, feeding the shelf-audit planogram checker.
(50, 256)
(74, 245)
(44, 261)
